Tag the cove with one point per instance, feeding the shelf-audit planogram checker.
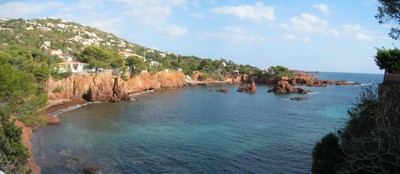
(197, 130)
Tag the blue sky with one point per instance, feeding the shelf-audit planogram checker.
(314, 35)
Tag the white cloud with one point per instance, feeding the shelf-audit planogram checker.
(357, 32)
(233, 34)
(198, 15)
(285, 26)
(257, 12)
(89, 4)
(290, 37)
(323, 8)
(364, 37)
(112, 25)
(26, 9)
(310, 24)
(151, 12)
(234, 29)
(176, 31)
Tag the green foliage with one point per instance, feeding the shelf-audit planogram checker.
(13, 154)
(21, 90)
(204, 77)
(136, 64)
(96, 58)
(363, 147)
(58, 74)
(57, 89)
(326, 155)
(280, 71)
(389, 10)
(15, 87)
(388, 60)
(33, 121)
(362, 115)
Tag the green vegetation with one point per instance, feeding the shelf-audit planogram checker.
(72, 37)
(23, 73)
(389, 60)
(136, 64)
(26, 65)
(389, 10)
(58, 89)
(280, 71)
(326, 155)
(13, 154)
(367, 144)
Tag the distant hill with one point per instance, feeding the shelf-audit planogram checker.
(70, 37)
(53, 33)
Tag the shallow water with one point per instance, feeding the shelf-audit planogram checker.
(197, 130)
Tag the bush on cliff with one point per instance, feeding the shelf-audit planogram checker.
(389, 60)
(13, 154)
(367, 143)
(280, 71)
(22, 76)
(327, 155)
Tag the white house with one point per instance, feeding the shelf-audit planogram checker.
(65, 57)
(154, 63)
(125, 54)
(56, 52)
(46, 43)
(75, 66)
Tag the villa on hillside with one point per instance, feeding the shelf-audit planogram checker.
(55, 52)
(73, 65)
(126, 54)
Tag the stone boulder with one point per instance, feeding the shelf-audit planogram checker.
(224, 90)
(251, 88)
(284, 87)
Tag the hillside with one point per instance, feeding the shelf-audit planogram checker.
(69, 38)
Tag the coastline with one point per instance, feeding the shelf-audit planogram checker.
(52, 106)
(59, 104)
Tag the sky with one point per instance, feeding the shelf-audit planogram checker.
(311, 35)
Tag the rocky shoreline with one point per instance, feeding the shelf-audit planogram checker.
(83, 88)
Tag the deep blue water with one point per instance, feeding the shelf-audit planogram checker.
(197, 130)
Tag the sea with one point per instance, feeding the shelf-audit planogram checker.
(198, 130)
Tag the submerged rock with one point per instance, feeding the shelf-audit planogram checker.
(224, 90)
(90, 170)
(298, 98)
(251, 88)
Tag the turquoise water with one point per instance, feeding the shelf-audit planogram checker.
(197, 130)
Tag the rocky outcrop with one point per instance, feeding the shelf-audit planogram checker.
(298, 98)
(250, 88)
(105, 87)
(284, 87)
(224, 90)
(301, 79)
(26, 140)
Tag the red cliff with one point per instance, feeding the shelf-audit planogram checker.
(105, 87)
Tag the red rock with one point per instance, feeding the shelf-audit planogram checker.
(224, 90)
(283, 87)
(101, 86)
(251, 88)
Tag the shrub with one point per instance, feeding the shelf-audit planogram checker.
(388, 60)
(13, 154)
(57, 89)
(326, 155)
